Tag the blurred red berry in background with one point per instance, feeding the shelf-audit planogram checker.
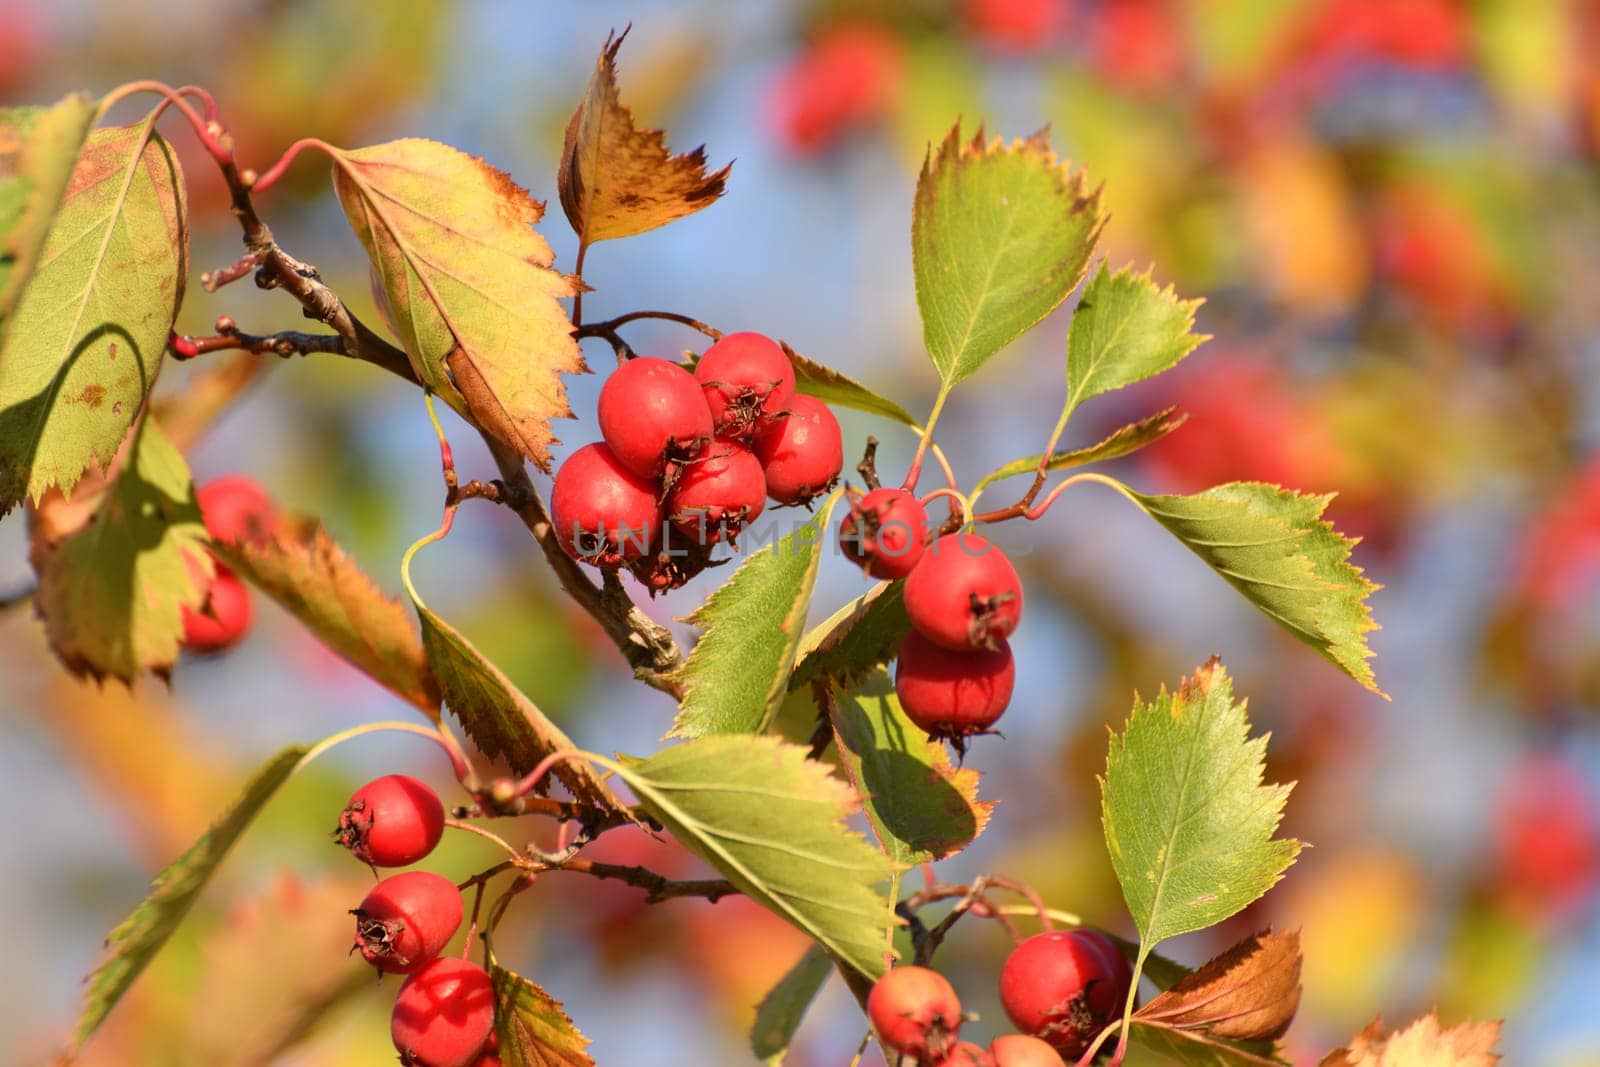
(848, 77)
(1017, 26)
(1547, 839)
(1138, 45)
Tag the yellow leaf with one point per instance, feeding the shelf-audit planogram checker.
(1424, 1043)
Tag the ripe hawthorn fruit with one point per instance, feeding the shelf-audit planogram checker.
(444, 1014)
(717, 495)
(676, 560)
(1064, 987)
(407, 920)
(748, 384)
(964, 593)
(965, 1054)
(801, 455)
(915, 1011)
(885, 533)
(1023, 1050)
(604, 514)
(224, 614)
(953, 695)
(392, 821)
(235, 507)
(652, 413)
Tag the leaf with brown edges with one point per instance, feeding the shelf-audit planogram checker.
(617, 180)
(1423, 1043)
(533, 1027)
(1248, 993)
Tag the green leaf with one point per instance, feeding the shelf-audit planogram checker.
(468, 284)
(831, 387)
(135, 941)
(1197, 1049)
(1126, 440)
(310, 576)
(920, 805)
(1000, 235)
(112, 595)
(1124, 331)
(773, 822)
(534, 1028)
(738, 673)
(1187, 820)
(780, 1012)
(1272, 545)
(859, 638)
(498, 716)
(82, 347)
(38, 147)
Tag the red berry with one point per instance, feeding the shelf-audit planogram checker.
(964, 593)
(965, 1054)
(885, 533)
(953, 695)
(234, 506)
(225, 613)
(915, 1011)
(1060, 986)
(748, 384)
(1023, 1050)
(718, 495)
(407, 920)
(802, 455)
(392, 821)
(444, 1014)
(652, 413)
(604, 514)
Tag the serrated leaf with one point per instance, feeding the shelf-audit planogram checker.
(135, 941)
(1247, 994)
(112, 595)
(1272, 545)
(781, 1011)
(773, 822)
(832, 387)
(858, 638)
(85, 340)
(617, 180)
(498, 716)
(1000, 235)
(534, 1029)
(1196, 1050)
(1125, 330)
(38, 147)
(920, 805)
(1187, 820)
(1124, 441)
(738, 672)
(304, 570)
(468, 282)
(1423, 1043)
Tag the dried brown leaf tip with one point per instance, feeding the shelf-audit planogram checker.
(1422, 1043)
(1248, 993)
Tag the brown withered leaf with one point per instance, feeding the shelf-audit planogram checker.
(1248, 993)
(617, 180)
(301, 567)
(1423, 1043)
(467, 282)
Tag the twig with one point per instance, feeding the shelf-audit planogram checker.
(610, 326)
(229, 338)
(657, 887)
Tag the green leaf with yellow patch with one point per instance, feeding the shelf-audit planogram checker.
(1125, 329)
(534, 1028)
(38, 147)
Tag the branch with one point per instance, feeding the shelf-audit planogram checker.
(230, 338)
(657, 887)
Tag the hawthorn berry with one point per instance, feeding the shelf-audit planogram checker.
(444, 1014)
(1063, 987)
(915, 1011)
(225, 611)
(652, 413)
(964, 593)
(407, 920)
(953, 695)
(801, 456)
(748, 384)
(885, 532)
(233, 507)
(718, 495)
(965, 1054)
(1023, 1050)
(604, 514)
(392, 821)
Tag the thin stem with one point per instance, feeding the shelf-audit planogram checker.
(1021, 509)
(261, 183)
(529, 782)
(915, 472)
(657, 887)
(577, 298)
(510, 849)
(229, 338)
(600, 329)
(354, 732)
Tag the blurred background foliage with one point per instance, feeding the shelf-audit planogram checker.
(1393, 209)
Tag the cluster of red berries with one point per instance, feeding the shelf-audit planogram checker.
(1059, 988)
(955, 672)
(689, 460)
(233, 508)
(444, 1013)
